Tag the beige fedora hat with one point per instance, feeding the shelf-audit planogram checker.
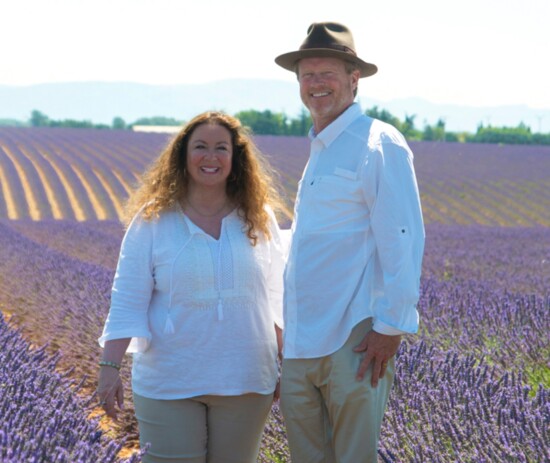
(326, 39)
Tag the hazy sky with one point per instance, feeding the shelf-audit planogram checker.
(474, 52)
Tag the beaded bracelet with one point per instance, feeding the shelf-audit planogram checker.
(104, 363)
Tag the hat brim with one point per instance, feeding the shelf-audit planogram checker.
(288, 60)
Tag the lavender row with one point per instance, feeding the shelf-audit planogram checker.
(93, 241)
(57, 293)
(57, 298)
(87, 174)
(512, 259)
(42, 417)
(509, 330)
(458, 408)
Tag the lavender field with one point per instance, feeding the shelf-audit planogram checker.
(472, 386)
(83, 174)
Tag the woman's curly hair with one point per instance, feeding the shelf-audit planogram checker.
(250, 184)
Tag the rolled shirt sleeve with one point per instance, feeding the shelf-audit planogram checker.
(398, 231)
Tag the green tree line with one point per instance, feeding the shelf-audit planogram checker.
(520, 135)
(39, 119)
(272, 123)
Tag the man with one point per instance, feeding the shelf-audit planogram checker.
(353, 272)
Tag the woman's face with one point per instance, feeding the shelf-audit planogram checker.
(209, 155)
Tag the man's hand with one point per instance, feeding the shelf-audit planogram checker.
(378, 349)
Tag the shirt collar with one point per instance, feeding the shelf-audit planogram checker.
(336, 127)
(196, 230)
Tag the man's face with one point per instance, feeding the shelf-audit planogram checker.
(326, 88)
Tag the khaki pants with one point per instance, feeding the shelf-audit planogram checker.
(213, 429)
(330, 416)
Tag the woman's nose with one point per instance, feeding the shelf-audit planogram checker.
(211, 154)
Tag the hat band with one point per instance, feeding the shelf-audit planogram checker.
(331, 46)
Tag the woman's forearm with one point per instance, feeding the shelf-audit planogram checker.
(279, 334)
(114, 350)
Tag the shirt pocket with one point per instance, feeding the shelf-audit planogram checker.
(341, 187)
(334, 202)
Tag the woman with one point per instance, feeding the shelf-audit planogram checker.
(197, 298)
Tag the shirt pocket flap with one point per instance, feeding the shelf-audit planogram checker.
(349, 174)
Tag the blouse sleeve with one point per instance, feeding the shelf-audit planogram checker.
(132, 289)
(278, 249)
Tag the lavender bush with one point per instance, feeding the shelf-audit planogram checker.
(451, 407)
(59, 300)
(43, 419)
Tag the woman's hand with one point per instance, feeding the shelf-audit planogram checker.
(110, 391)
(277, 392)
(109, 388)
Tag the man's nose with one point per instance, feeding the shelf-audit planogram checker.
(317, 78)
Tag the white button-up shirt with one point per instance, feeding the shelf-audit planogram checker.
(357, 238)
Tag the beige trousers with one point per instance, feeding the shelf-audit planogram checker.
(330, 416)
(213, 429)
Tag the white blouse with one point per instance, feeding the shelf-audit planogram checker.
(200, 312)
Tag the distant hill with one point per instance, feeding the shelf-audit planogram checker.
(100, 102)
